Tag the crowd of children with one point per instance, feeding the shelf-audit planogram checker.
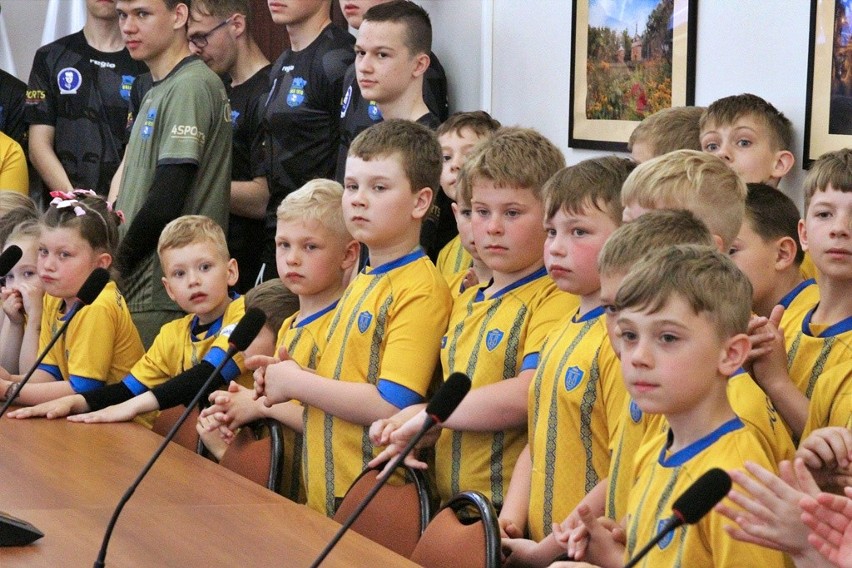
(627, 323)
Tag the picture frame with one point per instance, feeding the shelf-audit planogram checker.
(612, 87)
(828, 108)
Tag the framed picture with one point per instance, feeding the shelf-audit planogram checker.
(628, 62)
(828, 112)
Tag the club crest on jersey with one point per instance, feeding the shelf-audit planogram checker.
(493, 339)
(635, 412)
(364, 321)
(126, 84)
(667, 540)
(347, 98)
(373, 112)
(69, 80)
(573, 377)
(227, 330)
(296, 96)
(443, 342)
(148, 125)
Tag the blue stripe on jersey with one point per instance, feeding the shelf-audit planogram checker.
(397, 395)
(401, 261)
(84, 384)
(791, 295)
(314, 317)
(133, 385)
(695, 448)
(541, 272)
(53, 370)
(215, 357)
(842, 326)
(589, 316)
(530, 361)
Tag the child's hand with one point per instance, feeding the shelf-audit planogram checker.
(522, 552)
(827, 452)
(606, 538)
(470, 279)
(32, 295)
(13, 305)
(381, 430)
(216, 444)
(117, 413)
(829, 517)
(59, 408)
(572, 534)
(769, 359)
(232, 408)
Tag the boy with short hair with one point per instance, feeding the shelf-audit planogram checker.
(752, 137)
(477, 271)
(394, 312)
(687, 179)
(315, 255)
(198, 272)
(665, 131)
(767, 250)
(682, 315)
(458, 136)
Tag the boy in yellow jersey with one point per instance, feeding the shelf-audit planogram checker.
(577, 394)
(497, 328)
(314, 254)
(198, 271)
(477, 271)
(820, 337)
(682, 316)
(383, 341)
(458, 135)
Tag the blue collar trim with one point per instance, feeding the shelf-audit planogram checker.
(681, 457)
(590, 315)
(314, 317)
(401, 261)
(541, 272)
(791, 295)
(842, 326)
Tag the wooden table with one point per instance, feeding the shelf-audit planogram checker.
(67, 478)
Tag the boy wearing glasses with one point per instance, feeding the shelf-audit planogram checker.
(218, 33)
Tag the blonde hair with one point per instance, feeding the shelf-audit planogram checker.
(668, 130)
(652, 231)
(191, 229)
(832, 168)
(28, 229)
(595, 182)
(12, 200)
(512, 157)
(688, 179)
(275, 300)
(706, 279)
(318, 200)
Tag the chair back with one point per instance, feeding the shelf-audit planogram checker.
(464, 534)
(255, 455)
(186, 435)
(397, 515)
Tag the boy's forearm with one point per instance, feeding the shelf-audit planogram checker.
(517, 502)
(790, 403)
(289, 414)
(495, 407)
(36, 393)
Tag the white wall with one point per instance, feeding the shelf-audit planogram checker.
(758, 46)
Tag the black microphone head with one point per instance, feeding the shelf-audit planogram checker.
(247, 329)
(10, 258)
(702, 496)
(448, 397)
(93, 286)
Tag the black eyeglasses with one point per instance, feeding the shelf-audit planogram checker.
(200, 40)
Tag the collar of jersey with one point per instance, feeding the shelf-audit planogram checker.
(842, 326)
(401, 261)
(314, 317)
(791, 295)
(480, 294)
(681, 457)
(216, 325)
(185, 61)
(590, 315)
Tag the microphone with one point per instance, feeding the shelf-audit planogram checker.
(245, 332)
(691, 506)
(10, 258)
(87, 294)
(445, 401)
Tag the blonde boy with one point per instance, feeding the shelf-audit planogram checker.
(314, 254)
(751, 136)
(665, 131)
(818, 338)
(691, 180)
(382, 346)
(682, 314)
(197, 272)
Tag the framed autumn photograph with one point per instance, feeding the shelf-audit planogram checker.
(629, 60)
(828, 112)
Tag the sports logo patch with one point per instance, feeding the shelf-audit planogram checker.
(373, 112)
(364, 321)
(347, 98)
(235, 114)
(69, 80)
(126, 84)
(493, 339)
(635, 412)
(296, 96)
(443, 342)
(667, 540)
(226, 331)
(573, 377)
(148, 125)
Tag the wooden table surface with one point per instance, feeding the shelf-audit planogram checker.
(67, 478)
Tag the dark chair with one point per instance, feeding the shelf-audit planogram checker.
(397, 515)
(256, 453)
(464, 534)
(186, 435)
